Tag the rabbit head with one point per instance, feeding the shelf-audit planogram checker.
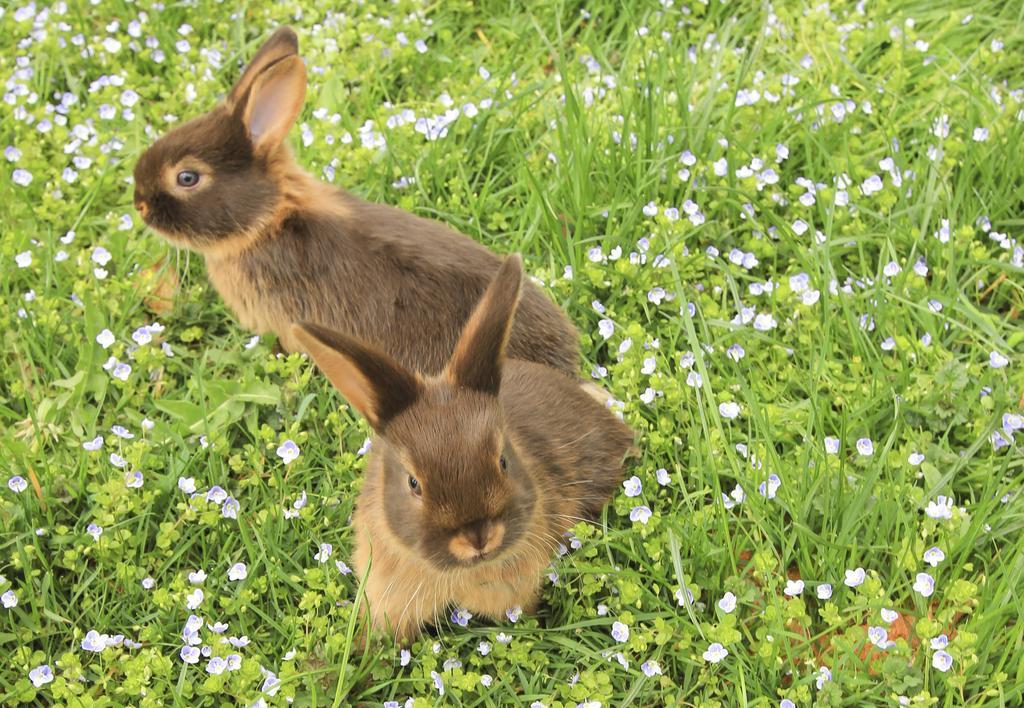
(456, 491)
(220, 175)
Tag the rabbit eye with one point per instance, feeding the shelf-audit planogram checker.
(188, 178)
(414, 485)
(504, 463)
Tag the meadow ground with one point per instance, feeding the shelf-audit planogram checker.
(789, 238)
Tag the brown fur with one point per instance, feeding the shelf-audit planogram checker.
(281, 246)
(476, 532)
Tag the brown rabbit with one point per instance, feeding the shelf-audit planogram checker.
(282, 247)
(475, 474)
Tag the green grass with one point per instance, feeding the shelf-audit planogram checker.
(589, 119)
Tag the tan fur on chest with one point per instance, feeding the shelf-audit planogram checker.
(404, 592)
(254, 309)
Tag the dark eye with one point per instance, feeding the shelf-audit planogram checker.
(504, 463)
(188, 178)
(414, 485)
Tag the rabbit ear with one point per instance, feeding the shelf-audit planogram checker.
(282, 43)
(480, 353)
(274, 102)
(378, 386)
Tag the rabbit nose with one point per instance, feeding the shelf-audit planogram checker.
(479, 534)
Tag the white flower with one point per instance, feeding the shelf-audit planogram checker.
(831, 445)
(865, 447)
(878, 636)
(715, 653)
(915, 458)
(794, 587)
(854, 577)
(194, 599)
(238, 572)
(94, 641)
(997, 360)
(729, 410)
(942, 661)
(216, 666)
(924, 585)
(632, 486)
(620, 632)
(605, 328)
(190, 655)
(23, 259)
(933, 556)
(728, 603)
(41, 675)
(824, 591)
(9, 600)
(187, 484)
(324, 554)
(941, 508)
(889, 616)
(288, 451)
(17, 484)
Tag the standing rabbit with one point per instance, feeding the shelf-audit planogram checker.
(475, 474)
(282, 247)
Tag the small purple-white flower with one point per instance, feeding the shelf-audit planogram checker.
(324, 553)
(9, 600)
(41, 675)
(715, 653)
(941, 508)
(94, 641)
(794, 587)
(728, 603)
(405, 657)
(438, 682)
(854, 577)
(832, 445)
(997, 360)
(933, 556)
(939, 642)
(889, 616)
(93, 445)
(651, 668)
(216, 666)
(865, 447)
(878, 636)
(216, 494)
(148, 583)
(288, 451)
(824, 591)
(769, 488)
(105, 338)
(915, 459)
(942, 661)
(133, 480)
(823, 677)
(924, 585)
(229, 510)
(238, 571)
(605, 328)
(729, 410)
(187, 484)
(640, 513)
(95, 531)
(17, 484)
(514, 613)
(620, 632)
(190, 654)
(342, 567)
(194, 599)
(197, 577)
(461, 616)
(632, 486)
(271, 684)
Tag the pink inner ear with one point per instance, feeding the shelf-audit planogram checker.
(275, 102)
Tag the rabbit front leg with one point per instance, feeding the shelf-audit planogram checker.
(400, 594)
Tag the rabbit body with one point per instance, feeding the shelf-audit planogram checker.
(475, 474)
(572, 451)
(281, 246)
